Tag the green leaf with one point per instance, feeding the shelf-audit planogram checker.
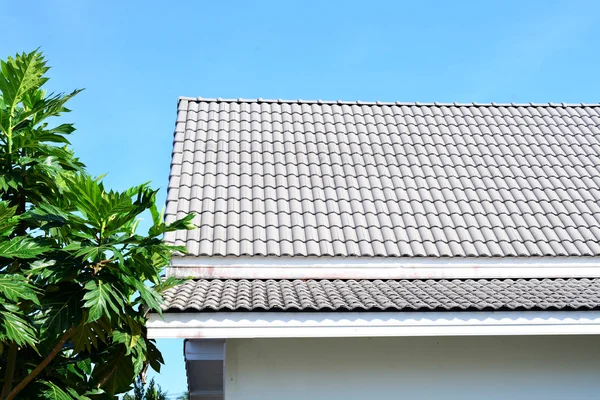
(149, 296)
(48, 213)
(21, 74)
(118, 366)
(87, 197)
(72, 246)
(157, 217)
(40, 264)
(182, 224)
(169, 283)
(86, 367)
(8, 221)
(13, 180)
(15, 288)
(56, 393)
(21, 247)
(16, 329)
(64, 129)
(129, 340)
(99, 297)
(91, 252)
(155, 359)
(62, 309)
(83, 338)
(95, 391)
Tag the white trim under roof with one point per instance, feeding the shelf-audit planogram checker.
(383, 268)
(226, 325)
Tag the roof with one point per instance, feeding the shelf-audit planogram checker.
(389, 295)
(302, 178)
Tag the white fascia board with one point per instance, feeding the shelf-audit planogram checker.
(227, 325)
(383, 268)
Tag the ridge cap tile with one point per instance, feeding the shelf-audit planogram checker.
(388, 103)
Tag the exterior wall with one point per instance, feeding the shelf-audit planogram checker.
(509, 367)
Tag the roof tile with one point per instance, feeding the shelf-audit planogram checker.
(399, 295)
(386, 179)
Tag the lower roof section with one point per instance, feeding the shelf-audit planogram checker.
(229, 325)
(210, 295)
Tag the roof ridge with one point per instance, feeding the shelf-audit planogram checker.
(383, 103)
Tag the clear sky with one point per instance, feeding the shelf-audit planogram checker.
(134, 58)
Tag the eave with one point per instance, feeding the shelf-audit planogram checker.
(229, 325)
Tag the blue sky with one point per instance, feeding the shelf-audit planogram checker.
(134, 58)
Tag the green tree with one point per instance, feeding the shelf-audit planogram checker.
(141, 392)
(76, 278)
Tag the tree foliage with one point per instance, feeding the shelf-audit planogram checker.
(143, 391)
(76, 278)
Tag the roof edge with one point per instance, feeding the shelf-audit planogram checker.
(228, 324)
(373, 268)
(382, 103)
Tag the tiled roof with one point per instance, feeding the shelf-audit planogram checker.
(386, 179)
(397, 295)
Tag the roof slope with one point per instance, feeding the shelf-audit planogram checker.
(386, 179)
(373, 295)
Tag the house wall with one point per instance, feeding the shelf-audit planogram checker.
(508, 367)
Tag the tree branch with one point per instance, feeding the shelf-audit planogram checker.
(10, 370)
(42, 365)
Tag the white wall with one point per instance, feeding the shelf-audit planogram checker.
(531, 367)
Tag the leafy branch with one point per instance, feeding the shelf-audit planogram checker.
(77, 279)
(33, 374)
